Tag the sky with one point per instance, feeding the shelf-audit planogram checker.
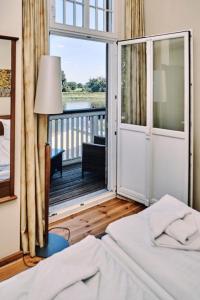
(80, 59)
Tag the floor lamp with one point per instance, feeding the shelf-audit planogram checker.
(48, 101)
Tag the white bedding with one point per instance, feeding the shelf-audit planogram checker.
(4, 158)
(176, 271)
(4, 172)
(85, 271)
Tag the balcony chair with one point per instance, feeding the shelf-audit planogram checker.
(93, 157)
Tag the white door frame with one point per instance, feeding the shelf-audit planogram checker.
(171, 133)
(142, 198)
(110, 193)
(187, 134)
(112, 116)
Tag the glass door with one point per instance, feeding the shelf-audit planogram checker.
(153, 118)
(133, 121)
(170, 116)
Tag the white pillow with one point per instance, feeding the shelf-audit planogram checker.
(6, 125)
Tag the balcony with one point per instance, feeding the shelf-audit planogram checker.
(68, 131)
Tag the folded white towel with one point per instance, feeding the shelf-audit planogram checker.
(173, 225)
(168, 242)
(183, 230)
(160, 220)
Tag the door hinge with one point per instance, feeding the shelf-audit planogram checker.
(115, 97)
(115, 132)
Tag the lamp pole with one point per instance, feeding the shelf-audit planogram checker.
(48, 102)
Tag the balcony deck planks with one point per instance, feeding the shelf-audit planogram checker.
(71, 185)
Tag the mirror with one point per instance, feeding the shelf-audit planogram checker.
(7, 114)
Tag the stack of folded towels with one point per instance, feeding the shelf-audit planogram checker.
(175, 225)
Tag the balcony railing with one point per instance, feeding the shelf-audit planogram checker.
(70, 129)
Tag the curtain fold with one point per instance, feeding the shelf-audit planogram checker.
(134, 18)
(134, 66)
(34, 127)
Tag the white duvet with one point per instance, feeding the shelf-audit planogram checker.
(85, 271)
(176, 271)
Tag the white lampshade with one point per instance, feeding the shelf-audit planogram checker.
(49, 86)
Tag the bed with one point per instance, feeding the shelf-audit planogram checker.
(176, 271)
(124, 265)
(4, 148)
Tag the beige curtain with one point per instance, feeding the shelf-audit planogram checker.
(34, 127)
(134, 18)
(134, 66)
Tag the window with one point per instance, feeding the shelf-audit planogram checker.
(69, 12)
(101, 14)
(89, 15)
(84, 82)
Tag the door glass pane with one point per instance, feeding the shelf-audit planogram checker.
(133, 84)
(168, 84)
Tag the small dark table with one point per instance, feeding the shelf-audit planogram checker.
(56, 161)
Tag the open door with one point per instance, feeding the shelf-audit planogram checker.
(153, 118)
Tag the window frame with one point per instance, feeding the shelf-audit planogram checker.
(85, 31)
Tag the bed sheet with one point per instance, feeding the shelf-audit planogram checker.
(176, 271)
(85, 271)
(4, 158)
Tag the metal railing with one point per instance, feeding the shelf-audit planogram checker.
(72, 128)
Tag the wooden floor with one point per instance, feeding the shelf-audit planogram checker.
(71, 185)
(91, 221)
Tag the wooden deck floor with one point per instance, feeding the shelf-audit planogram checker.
(91, 221)
(71, 185)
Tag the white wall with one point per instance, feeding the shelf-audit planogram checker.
(176, 15)
(10, 24)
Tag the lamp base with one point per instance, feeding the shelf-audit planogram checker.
(56, 243)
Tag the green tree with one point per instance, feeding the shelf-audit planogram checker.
(72, 85)
(64, 82)
(80, 86)
(96, 85)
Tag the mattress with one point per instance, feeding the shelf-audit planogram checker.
(175, 271)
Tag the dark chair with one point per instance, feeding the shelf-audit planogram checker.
(93, 157)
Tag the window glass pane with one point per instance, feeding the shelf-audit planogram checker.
(168, 94)
(101, 3)
(79, 15)
(109, 22)
(100, 17)
(83, 75)
(92, 18)
(59, 11)
(69, 13)
(133, 84)
(109, 4)
(100, 20)
(93, 2)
